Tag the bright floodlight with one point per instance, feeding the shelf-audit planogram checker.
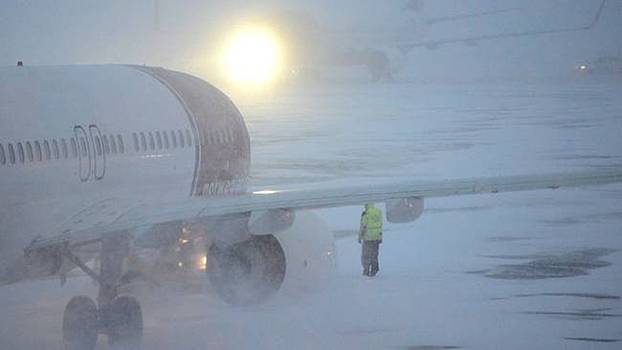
(253, 56)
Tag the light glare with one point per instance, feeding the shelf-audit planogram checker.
(253, 56)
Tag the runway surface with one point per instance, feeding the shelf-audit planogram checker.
(531, 270)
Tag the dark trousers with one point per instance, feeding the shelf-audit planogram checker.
(369, 257)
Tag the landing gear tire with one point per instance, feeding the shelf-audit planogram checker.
(80, 325)
(248, 272)
(125, 323)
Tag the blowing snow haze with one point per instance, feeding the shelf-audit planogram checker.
(489, 134)
(189, 35)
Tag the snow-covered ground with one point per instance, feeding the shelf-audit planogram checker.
(531, 270)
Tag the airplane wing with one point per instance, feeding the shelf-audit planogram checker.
(407, 46)
(198, 208)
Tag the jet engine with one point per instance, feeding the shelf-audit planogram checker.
(299, 258)
(404, 210)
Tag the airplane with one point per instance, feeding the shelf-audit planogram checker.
(406, 46)
(93, 158)
(314, 44)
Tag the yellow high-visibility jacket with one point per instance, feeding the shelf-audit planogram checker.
(371, 224)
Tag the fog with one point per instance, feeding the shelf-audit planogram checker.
(535, 269)
(186, 35)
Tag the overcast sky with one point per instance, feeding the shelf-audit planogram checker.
(183, 34)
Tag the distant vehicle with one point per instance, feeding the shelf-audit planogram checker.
(606, 65)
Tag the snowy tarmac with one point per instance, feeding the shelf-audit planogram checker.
(530, 270)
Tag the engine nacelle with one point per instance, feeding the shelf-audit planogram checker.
(271, 221)
(297, 259)
(310, 254)
(404, 210)
(38, 263)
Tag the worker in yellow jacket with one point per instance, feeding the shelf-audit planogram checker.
(370, 235)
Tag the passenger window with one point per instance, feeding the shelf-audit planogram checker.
(167, 145)
(113, 144)
(29, 152)
(38, 154)
(74, 148)
(48, 152)
(135, 138)
(143, 142)
(106, 144)
(151, 141)
(98, 145)
(20, 152)
(55, 149)
(11, 153)
(120, 144)
(158, 140)
(174, 138)
(181, 139)
(63, 143)
(2, 155)
(188, 138)
(83, 147)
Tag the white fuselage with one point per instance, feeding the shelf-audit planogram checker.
(81, 144)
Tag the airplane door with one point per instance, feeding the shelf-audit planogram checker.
(98, 154)
(84, 153)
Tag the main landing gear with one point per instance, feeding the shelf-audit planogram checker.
(118, 317)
